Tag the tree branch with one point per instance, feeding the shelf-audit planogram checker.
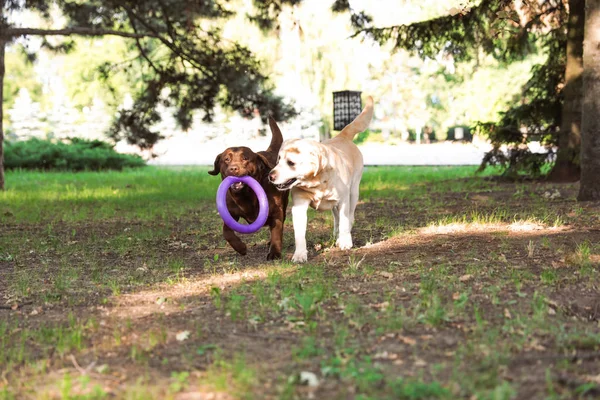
(141, 48)
(175, 48)
(80, 31)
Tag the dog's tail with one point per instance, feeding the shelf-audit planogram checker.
(276, 136)
(360, 123)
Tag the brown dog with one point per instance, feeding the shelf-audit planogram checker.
(241, 200)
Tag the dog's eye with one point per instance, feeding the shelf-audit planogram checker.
(245, 158)
(227, 159)
(291, 163)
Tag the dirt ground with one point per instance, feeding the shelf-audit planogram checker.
(461, 299)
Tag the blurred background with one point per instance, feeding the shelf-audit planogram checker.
(425, 108)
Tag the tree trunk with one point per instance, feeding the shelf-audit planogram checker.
(2, 48)
(567, 168)
(590, 128)
(2, 70)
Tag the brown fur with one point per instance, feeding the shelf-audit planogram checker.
(240, 161)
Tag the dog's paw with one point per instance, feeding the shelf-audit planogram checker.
(240, 248)
(273, 255)
(344, 242)
(300, 256)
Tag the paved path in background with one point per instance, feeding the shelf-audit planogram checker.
(190, 150)
(445, 153)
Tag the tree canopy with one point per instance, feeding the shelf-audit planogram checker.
(508, 31)
(182, 58)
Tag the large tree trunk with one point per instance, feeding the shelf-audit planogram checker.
(590, 127)
(2, 48)
(567, 168)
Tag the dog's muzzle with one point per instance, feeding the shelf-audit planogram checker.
(286, 185)
(236, 187)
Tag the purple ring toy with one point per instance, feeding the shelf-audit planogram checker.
(263, 204)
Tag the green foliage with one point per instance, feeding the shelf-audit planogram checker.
(83, 75)
(508, 32)
(462, 34)
(534, 115)
(180, 61)
(75, 155)
(19, 75)
(516, 161)
(362, 137)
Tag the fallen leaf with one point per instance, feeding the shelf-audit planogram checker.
(384, 355)
(102, 369)
(161, 300)
(183, 335)
(309, 378)
(383, 306)
(285, 303)
(386, 274)
(592, 378)
(507, 314)
(465, 278)
(535, 345)
(552, 303)
(420, 363)
(407, 340)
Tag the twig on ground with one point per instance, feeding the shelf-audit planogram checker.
(82, 371)
(2, 307)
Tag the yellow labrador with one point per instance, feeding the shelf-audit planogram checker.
(324, 176)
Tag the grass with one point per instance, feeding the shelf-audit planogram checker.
(120, 285)
(144, 194)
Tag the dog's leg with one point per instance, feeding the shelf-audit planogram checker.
(345, 240)
(300, 220)
(275, 245)
(353, 201)
(233, 240)
(336, 222)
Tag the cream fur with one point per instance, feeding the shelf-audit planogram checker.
(327, 177)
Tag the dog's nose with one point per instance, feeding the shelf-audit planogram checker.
(272, 176)
(233, 169)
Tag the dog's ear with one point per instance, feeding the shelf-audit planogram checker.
(217, 168)
(263, 160)
(277, 137)
(321, 160)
